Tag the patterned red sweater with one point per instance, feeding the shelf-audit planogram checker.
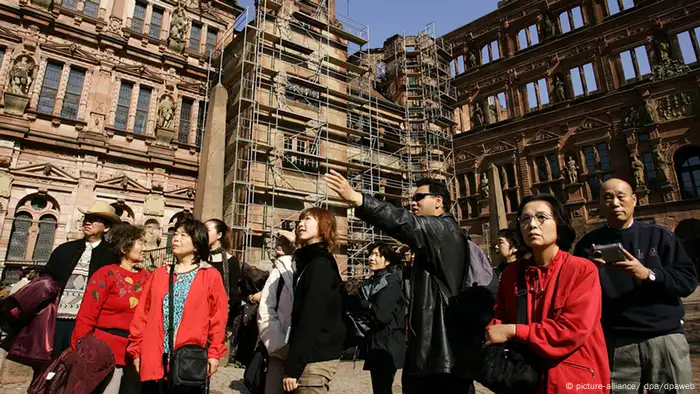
(110, 300)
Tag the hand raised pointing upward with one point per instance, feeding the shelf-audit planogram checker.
(340, 185)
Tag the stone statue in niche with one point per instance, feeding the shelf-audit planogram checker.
(166, 112)
(504, 178)
(631, 119)
(638, 170)
(547, 26)
(660, 49)
(558, 90)
(478, 115)
(484, 186)
(572, 171)
(661, 162)
(21, 75)
(471, 59)
(178, 29)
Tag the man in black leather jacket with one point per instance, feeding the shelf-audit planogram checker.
(436, 360)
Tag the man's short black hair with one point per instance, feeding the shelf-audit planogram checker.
(438, 188)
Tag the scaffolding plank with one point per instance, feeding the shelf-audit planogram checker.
(296, 46)
(346, 65)
(335, 30)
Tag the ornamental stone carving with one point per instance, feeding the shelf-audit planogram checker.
(661, 163)
(484, 186)
(665, 67)
(178, 29)
(21, 78)
(154, 205)
(673, 106)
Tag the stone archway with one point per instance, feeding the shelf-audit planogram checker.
(688, 231)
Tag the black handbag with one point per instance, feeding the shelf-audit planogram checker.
(510, 367)
(188, 363)
(256, 371)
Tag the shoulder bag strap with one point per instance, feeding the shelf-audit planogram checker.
(521, 295)
(280, 286)
(171, 318)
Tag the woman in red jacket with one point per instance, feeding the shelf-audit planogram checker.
(564, 303)
(200, 309)
(109, 303)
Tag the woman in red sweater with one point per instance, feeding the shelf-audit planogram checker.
(200, 308)
(109, 303)
(563, 303)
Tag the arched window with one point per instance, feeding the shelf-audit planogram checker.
(125, 213)
(19, 236)
(44, 240)
(687, 163)
(33, 229)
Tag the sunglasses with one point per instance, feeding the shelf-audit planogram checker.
(94, 218)
(419, 196)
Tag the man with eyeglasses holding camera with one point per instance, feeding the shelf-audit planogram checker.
(72, 263)
(435, 361)
(644, 271)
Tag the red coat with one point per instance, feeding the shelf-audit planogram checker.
(110, 300)
(564, 326)
(203, 319)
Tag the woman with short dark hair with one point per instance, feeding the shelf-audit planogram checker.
(199, 310)
(317, 332)
(226, 263)
(507, 247)
(110, 300)
(563, 299)
(382, 299)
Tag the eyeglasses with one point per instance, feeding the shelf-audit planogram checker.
(526, 220)
(419, 196)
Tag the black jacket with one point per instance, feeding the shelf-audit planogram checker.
(65, 257)
(317, 328)
(635, 310)
(435, 340)
(232, 286)
(383, 298)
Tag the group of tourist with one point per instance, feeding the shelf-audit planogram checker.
(587, 320)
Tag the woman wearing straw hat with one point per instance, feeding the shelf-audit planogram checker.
(73, 262)
(275, 311)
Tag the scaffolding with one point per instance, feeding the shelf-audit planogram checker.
(418, 66)
(297, 108)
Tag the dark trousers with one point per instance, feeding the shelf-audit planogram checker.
(64, 331)
(438, 383)
(382, 380)
(161, 387)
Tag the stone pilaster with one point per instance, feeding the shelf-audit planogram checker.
(497, 207)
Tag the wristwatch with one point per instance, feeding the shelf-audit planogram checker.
(652, 276)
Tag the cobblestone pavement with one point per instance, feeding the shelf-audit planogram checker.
(229, 380)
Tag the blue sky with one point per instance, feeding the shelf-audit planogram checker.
(388, 17)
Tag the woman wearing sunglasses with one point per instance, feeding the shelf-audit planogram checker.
(563, 295)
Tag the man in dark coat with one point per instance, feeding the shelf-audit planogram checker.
(72, 263)
(436, 360)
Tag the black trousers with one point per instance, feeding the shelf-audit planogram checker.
(64, 331)
(439, 383)
(382, 380)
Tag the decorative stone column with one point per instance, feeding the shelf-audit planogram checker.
(209, 199)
